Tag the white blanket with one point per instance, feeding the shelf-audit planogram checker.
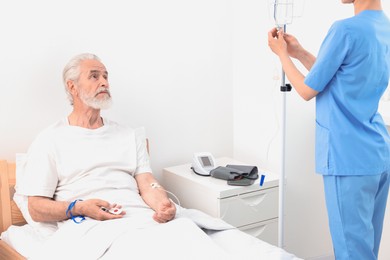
(177, 239)
(139, 237)
(136, 236)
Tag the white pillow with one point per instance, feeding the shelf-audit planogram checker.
(43, 228)
(23, 239)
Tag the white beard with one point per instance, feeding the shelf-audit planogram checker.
(97, 103)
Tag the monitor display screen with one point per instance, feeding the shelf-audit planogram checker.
(205, 161)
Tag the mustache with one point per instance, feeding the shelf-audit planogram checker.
(103, 90)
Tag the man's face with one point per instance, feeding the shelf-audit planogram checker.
(93, 86)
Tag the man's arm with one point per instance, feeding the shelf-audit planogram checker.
(156, 198)
(44, 209)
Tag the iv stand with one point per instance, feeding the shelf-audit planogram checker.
(283, 88)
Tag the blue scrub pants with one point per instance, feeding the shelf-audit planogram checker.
(356, 209)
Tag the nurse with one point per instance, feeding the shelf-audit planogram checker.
(348, 78)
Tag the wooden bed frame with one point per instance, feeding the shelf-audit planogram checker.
(9, 211)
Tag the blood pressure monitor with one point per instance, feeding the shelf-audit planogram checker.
(203, 163)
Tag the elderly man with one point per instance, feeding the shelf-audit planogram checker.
(87, 166)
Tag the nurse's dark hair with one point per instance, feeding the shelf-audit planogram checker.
(72, 70)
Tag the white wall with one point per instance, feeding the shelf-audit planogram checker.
(257, 118)
(169, 67)
(182, 69)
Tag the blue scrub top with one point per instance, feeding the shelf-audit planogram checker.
(351, 73)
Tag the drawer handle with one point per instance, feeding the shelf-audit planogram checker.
(257, 231)
(253, 201)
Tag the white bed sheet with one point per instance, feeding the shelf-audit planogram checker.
(179, 239)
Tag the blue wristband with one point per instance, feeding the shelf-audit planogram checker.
(70, 215)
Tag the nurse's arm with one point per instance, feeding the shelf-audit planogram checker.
(296, 78)
(296, 51)
(307, 59)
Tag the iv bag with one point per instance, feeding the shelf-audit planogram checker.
(283, 11)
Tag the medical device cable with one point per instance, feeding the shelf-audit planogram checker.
(276, 115)
(203, 175)
(155, 185)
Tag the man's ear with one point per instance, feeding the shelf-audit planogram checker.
(72, 88)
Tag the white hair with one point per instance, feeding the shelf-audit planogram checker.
(72, 70)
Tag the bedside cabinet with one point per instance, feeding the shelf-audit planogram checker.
(253, 209)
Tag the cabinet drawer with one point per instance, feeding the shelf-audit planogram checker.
(250, 208)
(265, 230)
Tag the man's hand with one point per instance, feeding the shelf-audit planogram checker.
(44, 209)
(93, 208)
(155, 197)
(165, 212)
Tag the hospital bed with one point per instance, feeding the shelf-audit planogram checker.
(18, 240)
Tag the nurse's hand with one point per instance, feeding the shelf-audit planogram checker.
(276, 42)
(294, 48)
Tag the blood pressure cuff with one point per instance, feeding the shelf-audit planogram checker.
(241, 175)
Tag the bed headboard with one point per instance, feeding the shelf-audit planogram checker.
(9, 211)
